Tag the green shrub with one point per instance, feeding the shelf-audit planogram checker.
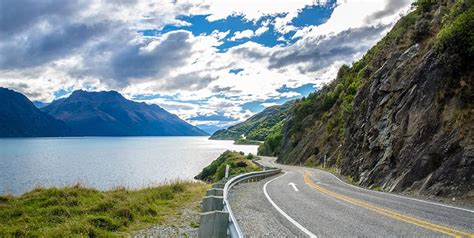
(271, 145)
(103, 222)
(235, 160)
(423, 5)
(458, 36)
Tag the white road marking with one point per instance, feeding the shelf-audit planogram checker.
(299, 226)
(294, 186)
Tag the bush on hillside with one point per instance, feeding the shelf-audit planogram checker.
(237, 161)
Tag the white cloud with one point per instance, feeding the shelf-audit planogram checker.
(242, 34)
(261, 30)
(186, 67)
(269, 104)
(253, 10)
(353, 14)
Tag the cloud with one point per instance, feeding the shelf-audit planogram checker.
(261, 30)
(44, 46)
(18, 15)
(391, 8)
(269, 104)
(249, 33)
(317, 53)
(254, 10)
(52, 46)
(151, 58)
(188, 81)
(350, 14)
(242, 34)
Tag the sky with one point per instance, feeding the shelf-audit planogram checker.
(213, 63)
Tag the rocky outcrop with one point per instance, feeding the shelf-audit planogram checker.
(410, 128)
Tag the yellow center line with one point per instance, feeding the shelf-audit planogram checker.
(389, 213)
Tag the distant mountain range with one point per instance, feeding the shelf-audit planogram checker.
(211, 129)
(257, 127)
(88, 114)
(39, 104)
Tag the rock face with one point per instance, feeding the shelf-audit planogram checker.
(409, 124)
(414, 132)
(110, 114)
(20, 118)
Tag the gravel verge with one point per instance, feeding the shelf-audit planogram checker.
(183, 226)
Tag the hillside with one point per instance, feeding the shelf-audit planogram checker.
(257, 127)
(238, 163)
(110, 114)
(19, 117)
(401, 118)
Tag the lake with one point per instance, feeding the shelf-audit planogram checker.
(105, 162)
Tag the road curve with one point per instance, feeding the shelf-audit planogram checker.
(314, 203)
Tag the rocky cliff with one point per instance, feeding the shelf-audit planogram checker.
(401, 118)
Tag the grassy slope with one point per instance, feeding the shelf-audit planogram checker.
(257, 127)
(79, 211)
(239, 163)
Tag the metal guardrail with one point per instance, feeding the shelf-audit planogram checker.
(234, 229)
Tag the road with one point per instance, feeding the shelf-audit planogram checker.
(310, 202)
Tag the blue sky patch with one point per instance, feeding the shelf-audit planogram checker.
(304, 90)
(61, 93)
(314, 15)
(199, 25)
(235, 71)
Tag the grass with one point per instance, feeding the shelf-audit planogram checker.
(238, 162)
(377, 188)
(247, 142)
(78, 211)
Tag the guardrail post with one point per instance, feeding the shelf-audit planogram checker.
(215, 192)
(212, 203)
(218, 185)
(213, 224)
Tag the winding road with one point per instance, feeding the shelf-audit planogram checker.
(313, 203)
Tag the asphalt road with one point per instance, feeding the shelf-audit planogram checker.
(315, 203)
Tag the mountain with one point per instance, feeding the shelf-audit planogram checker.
(39, 104)
(110, 114)
(402, 117)
(20, 118)
(211, 129)
(257, 127)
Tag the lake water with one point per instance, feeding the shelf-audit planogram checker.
(105, 162)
